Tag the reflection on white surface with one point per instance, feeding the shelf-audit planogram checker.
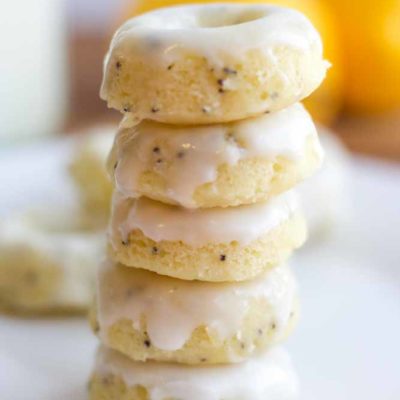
(45, 359)
(347, 343)
(345, 348)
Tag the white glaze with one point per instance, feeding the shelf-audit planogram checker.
(267, 377)
(188, 157)
(76, 254)
(214, 31)
(159, 221)
(175, 308)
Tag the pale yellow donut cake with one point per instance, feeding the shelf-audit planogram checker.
(268, 376)
(47, 265)
(214, 244)
(152, 317)
(215, 63)
(216, 165)
(88, 170)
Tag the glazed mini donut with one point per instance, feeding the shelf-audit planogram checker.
(204, 64)
(152, 317)
(47, 264)
(214, 244)
(269, 376)
(216, 165)
(89, 173)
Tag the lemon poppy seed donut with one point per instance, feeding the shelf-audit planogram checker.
(208, 64)
(47, 265)
(152, 317)
(214, 244)
(269, 376)
(89, 173)
(216, 165)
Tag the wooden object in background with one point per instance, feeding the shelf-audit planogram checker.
(86, 54)
(373, 135)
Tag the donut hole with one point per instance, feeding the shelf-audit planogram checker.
(224, 19)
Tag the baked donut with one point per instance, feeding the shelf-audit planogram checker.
(152, 317)
(47, 265)
(209, 64)
(214, 244)
(269, 376)
(216, 165)
(88, 171)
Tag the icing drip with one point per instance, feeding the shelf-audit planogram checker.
(188, 157)
(270, 376)
(213, 32)
(159, 221)
(175, 308)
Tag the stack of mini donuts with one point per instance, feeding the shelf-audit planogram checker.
(196, 292)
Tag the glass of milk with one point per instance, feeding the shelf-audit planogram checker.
(33, 79)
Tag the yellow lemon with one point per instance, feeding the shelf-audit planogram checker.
(326, 101)
(370, 32)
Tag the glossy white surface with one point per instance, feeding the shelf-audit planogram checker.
(347, 345)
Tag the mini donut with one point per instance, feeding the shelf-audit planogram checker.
(203, 64)
(216, 165)
(269, 376)
(152, 317)
(46, 264)
(88, 170)
(215, 244)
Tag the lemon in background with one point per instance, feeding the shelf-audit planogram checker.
(370, 39)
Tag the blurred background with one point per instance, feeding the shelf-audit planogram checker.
(53, 53)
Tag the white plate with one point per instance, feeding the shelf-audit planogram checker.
(348, 342)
